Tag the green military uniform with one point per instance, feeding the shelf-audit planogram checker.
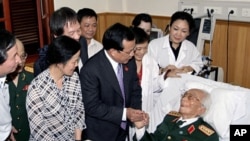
(17, 103)
(169, 130)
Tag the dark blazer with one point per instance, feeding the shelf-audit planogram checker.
(103, 99)
(42, 64)
(84, 50)
(169, 130)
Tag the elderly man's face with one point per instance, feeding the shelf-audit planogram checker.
(191, 105)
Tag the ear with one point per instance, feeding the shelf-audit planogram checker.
(112, 51)
(201, 110)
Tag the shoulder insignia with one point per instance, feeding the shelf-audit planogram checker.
(174, 113)
(206, 130)
(29, 69)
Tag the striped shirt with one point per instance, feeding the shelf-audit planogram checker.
(55, 113)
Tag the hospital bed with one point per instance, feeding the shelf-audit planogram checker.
(230, 106)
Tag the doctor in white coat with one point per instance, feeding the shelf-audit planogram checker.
(147, 72)
(173, 52)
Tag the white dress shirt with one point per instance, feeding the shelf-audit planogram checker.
(115, 66)
(5, 121)
(93, 47)
(140, 132)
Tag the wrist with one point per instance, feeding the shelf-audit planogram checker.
(166, 74)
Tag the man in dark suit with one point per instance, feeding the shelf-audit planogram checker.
(108, 107)
(63, 21)
(185, 125)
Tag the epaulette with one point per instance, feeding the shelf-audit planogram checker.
(29, 69)
(174, 113)
(206, 130)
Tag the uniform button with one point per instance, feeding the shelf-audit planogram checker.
(18, 118)
(17, 106)
(19, 130)
(169, 138)
(17, 95)
(181, 132)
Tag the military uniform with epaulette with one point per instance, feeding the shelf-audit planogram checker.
(169, 130)
(17, 103)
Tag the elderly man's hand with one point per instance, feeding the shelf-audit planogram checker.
(142, 123)
(134, 115)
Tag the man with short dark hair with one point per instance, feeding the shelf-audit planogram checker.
(63, 21)
(110, 87)
(9, 59)
(88, 21)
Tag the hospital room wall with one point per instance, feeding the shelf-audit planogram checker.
(233, 56)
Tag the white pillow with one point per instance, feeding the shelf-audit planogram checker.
(198, 85)
(228, 105)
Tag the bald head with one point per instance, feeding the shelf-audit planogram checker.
(21, 52)
(194, 102)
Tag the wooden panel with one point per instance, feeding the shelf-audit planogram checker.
(107, 19)
(24, 23)
(234, 58)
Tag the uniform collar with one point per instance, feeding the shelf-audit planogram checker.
(2, 81)
(187, 121)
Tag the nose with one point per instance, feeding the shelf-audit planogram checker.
(132, 53)
(77, 36)
(18, 59)
(91, 28)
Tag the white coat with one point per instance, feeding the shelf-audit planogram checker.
(151, 83)
(189, 55)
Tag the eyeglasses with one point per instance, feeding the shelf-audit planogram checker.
(23, 56)
(190, 97)
(131, 53)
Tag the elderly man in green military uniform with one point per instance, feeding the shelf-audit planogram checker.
(185, 125)
(18, 85)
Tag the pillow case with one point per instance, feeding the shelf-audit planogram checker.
(228, 104)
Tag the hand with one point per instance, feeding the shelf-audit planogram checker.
(186, 69)
(172, 73)
(11, 137)
(142, 123)
(169, 67)
(134, 115)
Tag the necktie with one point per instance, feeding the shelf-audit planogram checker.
(120, 80)
(179, 123)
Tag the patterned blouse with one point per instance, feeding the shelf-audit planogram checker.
(55, 113)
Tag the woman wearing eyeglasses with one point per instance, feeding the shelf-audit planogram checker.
(18, 85)
(147, 72)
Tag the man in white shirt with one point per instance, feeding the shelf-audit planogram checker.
(88, 21)
(9, 60)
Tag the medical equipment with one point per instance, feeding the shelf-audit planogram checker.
(155, 33)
